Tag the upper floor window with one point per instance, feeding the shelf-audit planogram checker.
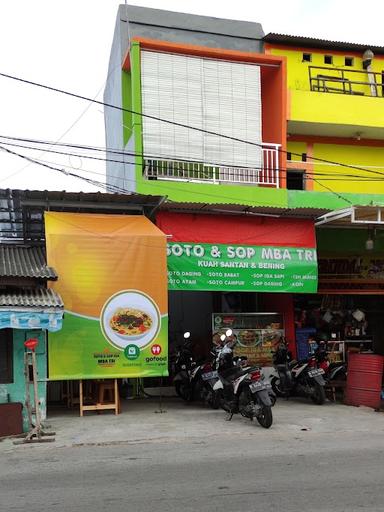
(6, 356)
(215, 96)
(348, 61)
(295, 179)
(307, 57)
(328, 59)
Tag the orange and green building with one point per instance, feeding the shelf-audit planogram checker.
(224, 120)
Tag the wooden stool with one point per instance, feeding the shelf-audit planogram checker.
(107, 393)
(107, 397)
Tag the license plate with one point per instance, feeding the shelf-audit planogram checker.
(259, 386)
(209, 375)
(316, 372)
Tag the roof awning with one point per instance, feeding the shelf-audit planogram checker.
(242, 210)
(353, 216)
(231, 253)
(22, 261)
(33, 309)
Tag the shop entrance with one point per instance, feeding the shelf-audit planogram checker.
(192, 311)
(347, 323)
(258, 320)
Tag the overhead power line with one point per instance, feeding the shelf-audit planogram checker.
(324, 175)
(306, 176)
(175, 123)
(98, 184)
(157, 184)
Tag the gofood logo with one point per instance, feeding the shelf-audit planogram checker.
(156, 350)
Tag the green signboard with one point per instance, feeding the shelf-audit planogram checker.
(241, 268)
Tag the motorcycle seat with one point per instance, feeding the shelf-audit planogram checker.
(232, 373)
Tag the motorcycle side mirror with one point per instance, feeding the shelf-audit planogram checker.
(187, 335)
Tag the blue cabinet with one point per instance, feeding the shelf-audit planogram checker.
(302, 336)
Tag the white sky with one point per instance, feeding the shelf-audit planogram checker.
(66, 44)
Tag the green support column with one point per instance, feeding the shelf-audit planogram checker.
(137, 119)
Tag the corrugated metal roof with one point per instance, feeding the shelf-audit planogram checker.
(22, 261)
(80, 199)
(37, 298)
(22, 211)
(313, 42)
(237, 209)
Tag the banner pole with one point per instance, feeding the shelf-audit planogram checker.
(161, 410)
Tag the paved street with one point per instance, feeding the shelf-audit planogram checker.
(327, 458)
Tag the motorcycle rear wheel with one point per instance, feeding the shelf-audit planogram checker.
(265, 417)
(318, 396)
(183, 391)
(214, 401)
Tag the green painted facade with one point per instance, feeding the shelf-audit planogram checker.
(137, 118)
(15, 391)
(348, 242)
(331, 200)
(183, 191)
(220, 194)
(126, 87)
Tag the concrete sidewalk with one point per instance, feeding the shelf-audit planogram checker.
(144, 421)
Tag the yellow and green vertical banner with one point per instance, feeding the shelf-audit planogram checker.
(113, 280)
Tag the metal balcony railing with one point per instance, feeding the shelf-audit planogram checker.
(267, 174)
(346, 81)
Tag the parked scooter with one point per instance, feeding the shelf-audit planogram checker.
(297, 378)
(243, 390)
(332, 371)
(186, 371)
(210, 375)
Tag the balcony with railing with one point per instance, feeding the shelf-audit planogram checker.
(337, 102)
(346, 81)
(266, 175)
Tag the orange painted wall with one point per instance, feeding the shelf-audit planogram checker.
(273, 85)
(282, 303)
(274, 110)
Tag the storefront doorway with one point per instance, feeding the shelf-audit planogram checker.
(347, 323)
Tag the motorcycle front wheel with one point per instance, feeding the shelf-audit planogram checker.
(318, 395)
(276, 387)
(265, 417)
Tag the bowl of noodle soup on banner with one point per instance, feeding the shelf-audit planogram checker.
(130, 316)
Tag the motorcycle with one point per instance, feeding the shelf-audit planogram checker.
(297, 378)
(209, 373)
(193, 381)
(185, 370)
(335, 371)
(332, 371)
(209, 376)
(243, 390)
